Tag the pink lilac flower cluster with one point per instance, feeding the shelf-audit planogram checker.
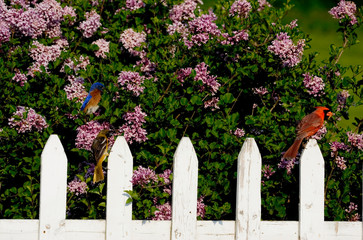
(240, 7)
(131, 39)
(314, 84)
(91, 24)
(25, 119)
(142, 176)
(163, 212)
(183, 73)
(343, 10)
(104, 47)
(202, 74)
(336, 146)
(353, 217)
(88, 132)
(166, 180)
(132, 129)
(42, 55)
(292, 24)
(133, 5)
(75, 89)
(320, 133)
(20, 78)
(288, 164)
(200, 207)
(76, 64)
(70, 12)
(131, 81)
(340, 161)
(5, 32)
(239, 132)
(284, 48)
(235, 38)
(268, 171)
(212, 103)
(183, 11)
(202, 29)
(355, 140)
(262, 4)
(45, 17)
(146, 66)
(260, 91)
(342, 99)
(77, 187)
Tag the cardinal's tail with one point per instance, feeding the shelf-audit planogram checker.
(292, 151)
(98, 173)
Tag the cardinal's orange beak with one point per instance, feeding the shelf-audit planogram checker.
(329, 114)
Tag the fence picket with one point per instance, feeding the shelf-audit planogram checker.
(119, 174)
(184, 197)
(53, 190)
(311, 192)
(248, 202)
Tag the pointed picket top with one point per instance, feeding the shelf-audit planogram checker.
(53, 190)
(119, 174)
(311, 192)
(248, 199)
(184, 197)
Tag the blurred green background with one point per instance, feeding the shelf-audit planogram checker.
(314, 19)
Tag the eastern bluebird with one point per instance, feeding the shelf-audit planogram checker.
(99, 149)
(90, 104)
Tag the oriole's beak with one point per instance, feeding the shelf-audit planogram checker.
(329, 114)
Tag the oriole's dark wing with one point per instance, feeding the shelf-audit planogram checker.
(99, 146)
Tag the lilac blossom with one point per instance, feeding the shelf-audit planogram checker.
(343, 10)
(133, 5)
(235, 38)
(262, 4)
(142, 176)
(202, 74)
(212, 103)
(183, 11)
(75, 89)
(285, 49)
(77, 64)
(260, 91)
(20, 78)
(320, 133)
(336, 146)
(342, 99)
(340, 161)
(146, 66)
(88, 132)
(183, 73)
(288, 164)
(166, 176)
(268, 171)
(25, 119)
(314, 84)
(293, 24)
(200, 207)
(103, 48)
(132, 129)
(77, 187)
(69, 11)
(240, 7)
(42, 55)
(131, 81)
(91, 24)
(163, 212)
(131, 39)
(353, 217)
(239, 132)
(5, 32)
(355, 140)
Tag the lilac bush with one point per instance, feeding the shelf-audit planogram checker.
(170, 70)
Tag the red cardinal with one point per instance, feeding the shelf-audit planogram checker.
(308, 126)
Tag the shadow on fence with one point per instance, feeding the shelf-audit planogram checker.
(184, 225)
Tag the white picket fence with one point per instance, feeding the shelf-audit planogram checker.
(118, 224)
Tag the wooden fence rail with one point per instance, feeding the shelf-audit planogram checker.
(118, 224)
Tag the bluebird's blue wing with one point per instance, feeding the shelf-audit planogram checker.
(86, 101)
